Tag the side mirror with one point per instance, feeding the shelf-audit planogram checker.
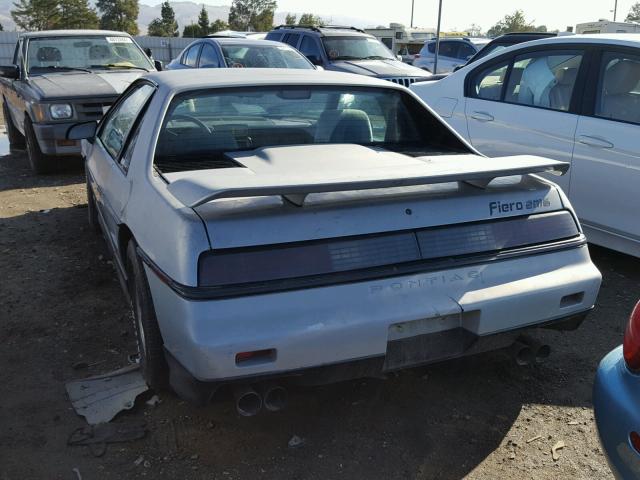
(9, 71)
(315, 59)
(82, 131)
(158, 65)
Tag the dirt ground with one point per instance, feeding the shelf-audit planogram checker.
(480, 417)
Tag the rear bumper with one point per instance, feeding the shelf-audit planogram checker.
(52, 139)
(342, 323)
(615, 400)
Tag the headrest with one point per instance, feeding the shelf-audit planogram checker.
(48, 54)
(622, 77)
(99, 52)
(566, 76)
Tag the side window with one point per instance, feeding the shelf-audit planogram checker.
(309, 47)
(191, 56)
(275, 36)
(465, 51)
(16, 52)
(432, 47)
(291, 39)
(209, 57)
(487, 84)
(619, 88)
(449, 49)
(120, 120)
(544, 80)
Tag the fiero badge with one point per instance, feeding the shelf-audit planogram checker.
(506, 207)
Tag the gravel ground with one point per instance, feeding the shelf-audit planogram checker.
(480, 417)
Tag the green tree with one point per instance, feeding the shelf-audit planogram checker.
(76, 14)
(121, 15)
(166, 25)
(191, 31)
(290, 19)
(516, 22)
(218, 26)
(310, 19)
(36, 14)
(634, 13)
(203, 22)
(255, 15)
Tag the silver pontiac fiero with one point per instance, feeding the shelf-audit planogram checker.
(273, 227)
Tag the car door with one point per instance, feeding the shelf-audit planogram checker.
(526, 103)
(606, 160)
(107, 164)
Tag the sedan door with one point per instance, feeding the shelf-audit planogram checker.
(106, 164)
(525, 104)
(606, 161)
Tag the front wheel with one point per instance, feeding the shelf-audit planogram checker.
(148, 336)
(40, 163)
(16, 140)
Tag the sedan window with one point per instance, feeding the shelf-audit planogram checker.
(619, 88)
(488, 84)
(120, 120)
(209, 57)
(544, 80)
(263, 56)
(191, 56)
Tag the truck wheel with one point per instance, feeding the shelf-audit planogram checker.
(92, 212)
(150, 344)
(40, 163)
(16, 140)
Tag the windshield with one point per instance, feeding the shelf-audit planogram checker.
(260, 56)
(200, 128)
(356, 48)
(84, 53)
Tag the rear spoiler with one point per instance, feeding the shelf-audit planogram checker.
(194, 191)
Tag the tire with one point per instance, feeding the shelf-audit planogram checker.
(92, 212)
(16, 140)
(40, 163)
(149, 339)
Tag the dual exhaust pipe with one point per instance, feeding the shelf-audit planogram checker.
(250, 401)
(526, 351)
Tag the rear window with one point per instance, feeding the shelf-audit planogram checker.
(200, 127)
(277, 56)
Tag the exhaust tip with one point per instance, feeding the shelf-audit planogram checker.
(248, 402)
(543, 353)
(275, 398)
(522, 353)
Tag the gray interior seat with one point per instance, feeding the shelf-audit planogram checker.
(617, 99)
(560, 94)
(344, 126)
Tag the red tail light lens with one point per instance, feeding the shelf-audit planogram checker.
(417, 55)
(631, 344)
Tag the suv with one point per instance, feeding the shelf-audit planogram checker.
(347, 49)
(454, 52)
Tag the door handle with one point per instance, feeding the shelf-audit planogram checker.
(596, 142)
(482, 116)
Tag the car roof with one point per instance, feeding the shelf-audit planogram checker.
(176, 80)
(243, 41)
(74, 33)
(624, 39)
(323, 31)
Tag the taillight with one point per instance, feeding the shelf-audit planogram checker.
(631, 344)
(417, 55)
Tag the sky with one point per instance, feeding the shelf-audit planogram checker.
(456, 14)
